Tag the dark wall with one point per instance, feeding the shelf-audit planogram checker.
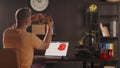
(69, 16)
(7, 11)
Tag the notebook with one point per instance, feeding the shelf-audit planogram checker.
(57, 49)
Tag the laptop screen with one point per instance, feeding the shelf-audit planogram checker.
(57, 49)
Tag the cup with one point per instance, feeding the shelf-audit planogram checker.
(104, 56)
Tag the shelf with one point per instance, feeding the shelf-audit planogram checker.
(109, 16)
(108, 39)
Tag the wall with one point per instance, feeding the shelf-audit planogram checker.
(69, 16)
(7, 10)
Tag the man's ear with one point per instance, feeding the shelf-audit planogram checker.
(27, 22)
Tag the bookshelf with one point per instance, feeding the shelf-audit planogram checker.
(107, 14)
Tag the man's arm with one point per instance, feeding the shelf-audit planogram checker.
(48, 36)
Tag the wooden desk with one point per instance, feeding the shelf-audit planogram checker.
(38, 59)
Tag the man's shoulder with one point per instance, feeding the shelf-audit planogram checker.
(8, 29)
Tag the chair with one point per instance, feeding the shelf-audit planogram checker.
(9, 58)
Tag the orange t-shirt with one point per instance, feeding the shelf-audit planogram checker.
(24, 42)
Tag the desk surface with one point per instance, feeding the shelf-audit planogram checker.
(43, 58)
(72, 58)
(113, 61)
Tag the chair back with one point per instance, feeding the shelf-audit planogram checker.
(9, 58)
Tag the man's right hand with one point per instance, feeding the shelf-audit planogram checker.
(50, 21)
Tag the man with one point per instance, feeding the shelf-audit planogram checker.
(25, 42)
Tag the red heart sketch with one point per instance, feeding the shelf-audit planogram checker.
(62, 46)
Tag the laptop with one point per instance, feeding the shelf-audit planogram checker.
(57, 49)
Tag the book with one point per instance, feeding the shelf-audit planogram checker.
(113, 28)
(104, 30)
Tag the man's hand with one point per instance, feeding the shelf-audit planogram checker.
(37, 17)
(50, 21)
